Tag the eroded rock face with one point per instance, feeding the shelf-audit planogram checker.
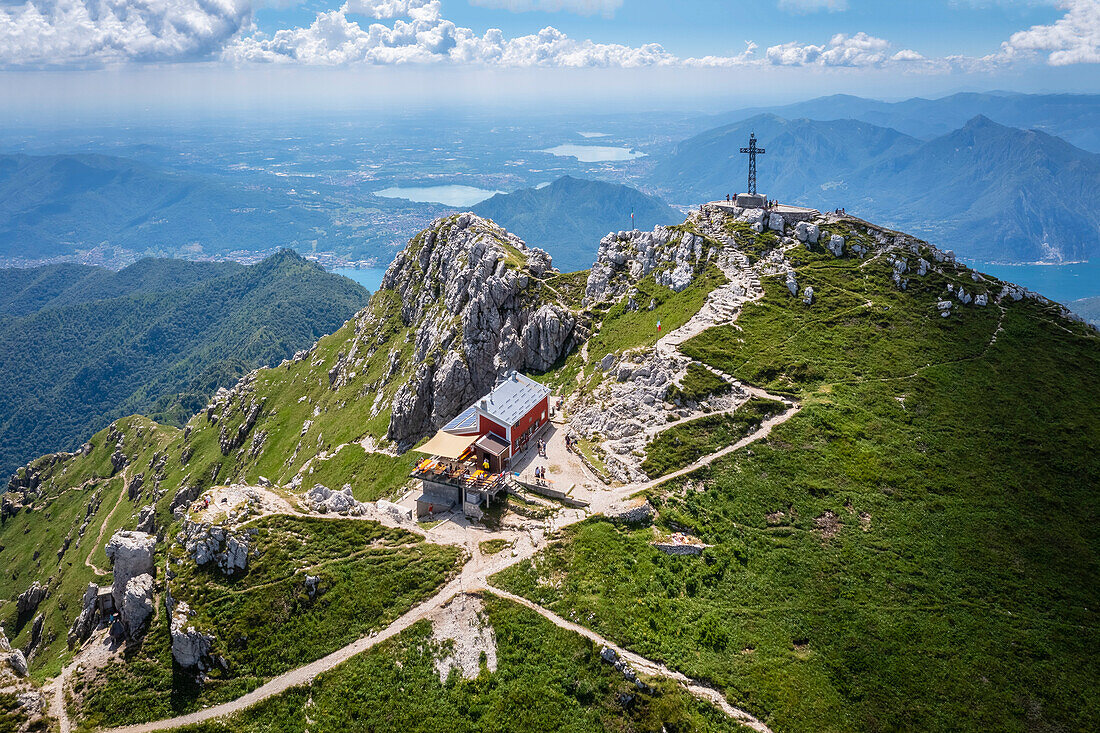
(475, 294)
(137, 605)
(147, 518)
(131, 554)
(207, 543)
(28, 600)
(86, 620)
(626, 257)
(190, 647)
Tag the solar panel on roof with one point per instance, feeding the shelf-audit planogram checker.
(466, 420)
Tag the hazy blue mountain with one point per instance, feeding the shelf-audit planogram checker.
(1088, 308)
(60, 204)
(1073, 117)
(990, 192)
(75, 356)
(570, 216)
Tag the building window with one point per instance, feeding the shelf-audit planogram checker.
(544, 414)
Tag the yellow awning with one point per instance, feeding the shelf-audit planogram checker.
(446, 445)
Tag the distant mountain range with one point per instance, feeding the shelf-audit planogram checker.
(1072, 117)
(84, 345)
(58, 205)
(569, 217)
(990, 192)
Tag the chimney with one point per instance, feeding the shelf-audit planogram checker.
(515, 375)
(484, 404)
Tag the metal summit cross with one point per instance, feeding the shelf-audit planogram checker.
(752, 150)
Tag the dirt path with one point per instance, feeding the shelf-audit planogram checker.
(758, 434)
(103, 527)
(723, 306)
(474, 577)
(641, 664)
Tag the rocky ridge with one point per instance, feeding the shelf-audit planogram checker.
(476, 297)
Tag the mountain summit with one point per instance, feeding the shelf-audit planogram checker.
(817, 455)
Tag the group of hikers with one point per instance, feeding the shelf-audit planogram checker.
(839, 211)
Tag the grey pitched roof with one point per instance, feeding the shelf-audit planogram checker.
(512, 399)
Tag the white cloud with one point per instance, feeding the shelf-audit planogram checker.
(47, 33)
(812, 6)
(1072, 39)
(390, 8)
(426, 37)
(53, 33)
(841, 50)
(606, 8)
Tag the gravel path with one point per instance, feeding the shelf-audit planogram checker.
(722, 306)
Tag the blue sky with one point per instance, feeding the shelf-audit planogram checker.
(700, 27)
(647, 52)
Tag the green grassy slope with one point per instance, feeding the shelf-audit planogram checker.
(547, 679)
(265, 622)
(915, 550)
(168, 337)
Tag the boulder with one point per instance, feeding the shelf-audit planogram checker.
(775, 222)
(18, 663)
(190, 647)
(792, 283)
(324, 500)
(981, 299)
(137, 605)
(808, 295)
(804, 231)
(836, 245)
(131, 554)
(631, 512)
(312, 581)
(963, 296)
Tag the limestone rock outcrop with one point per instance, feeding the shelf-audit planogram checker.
(28, 600)
(211, 543)
(477, 299)
(836, 245)
(137, 605)
(324, 500)
(626, 257)
(87, 619)
(131, 554)
(804, 231)
(190, 647)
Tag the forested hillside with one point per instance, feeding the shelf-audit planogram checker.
(85, 345)
(60, 205)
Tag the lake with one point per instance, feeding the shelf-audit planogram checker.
(369, 277)
(593, 153)
(450, 195)
(1062, 283)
